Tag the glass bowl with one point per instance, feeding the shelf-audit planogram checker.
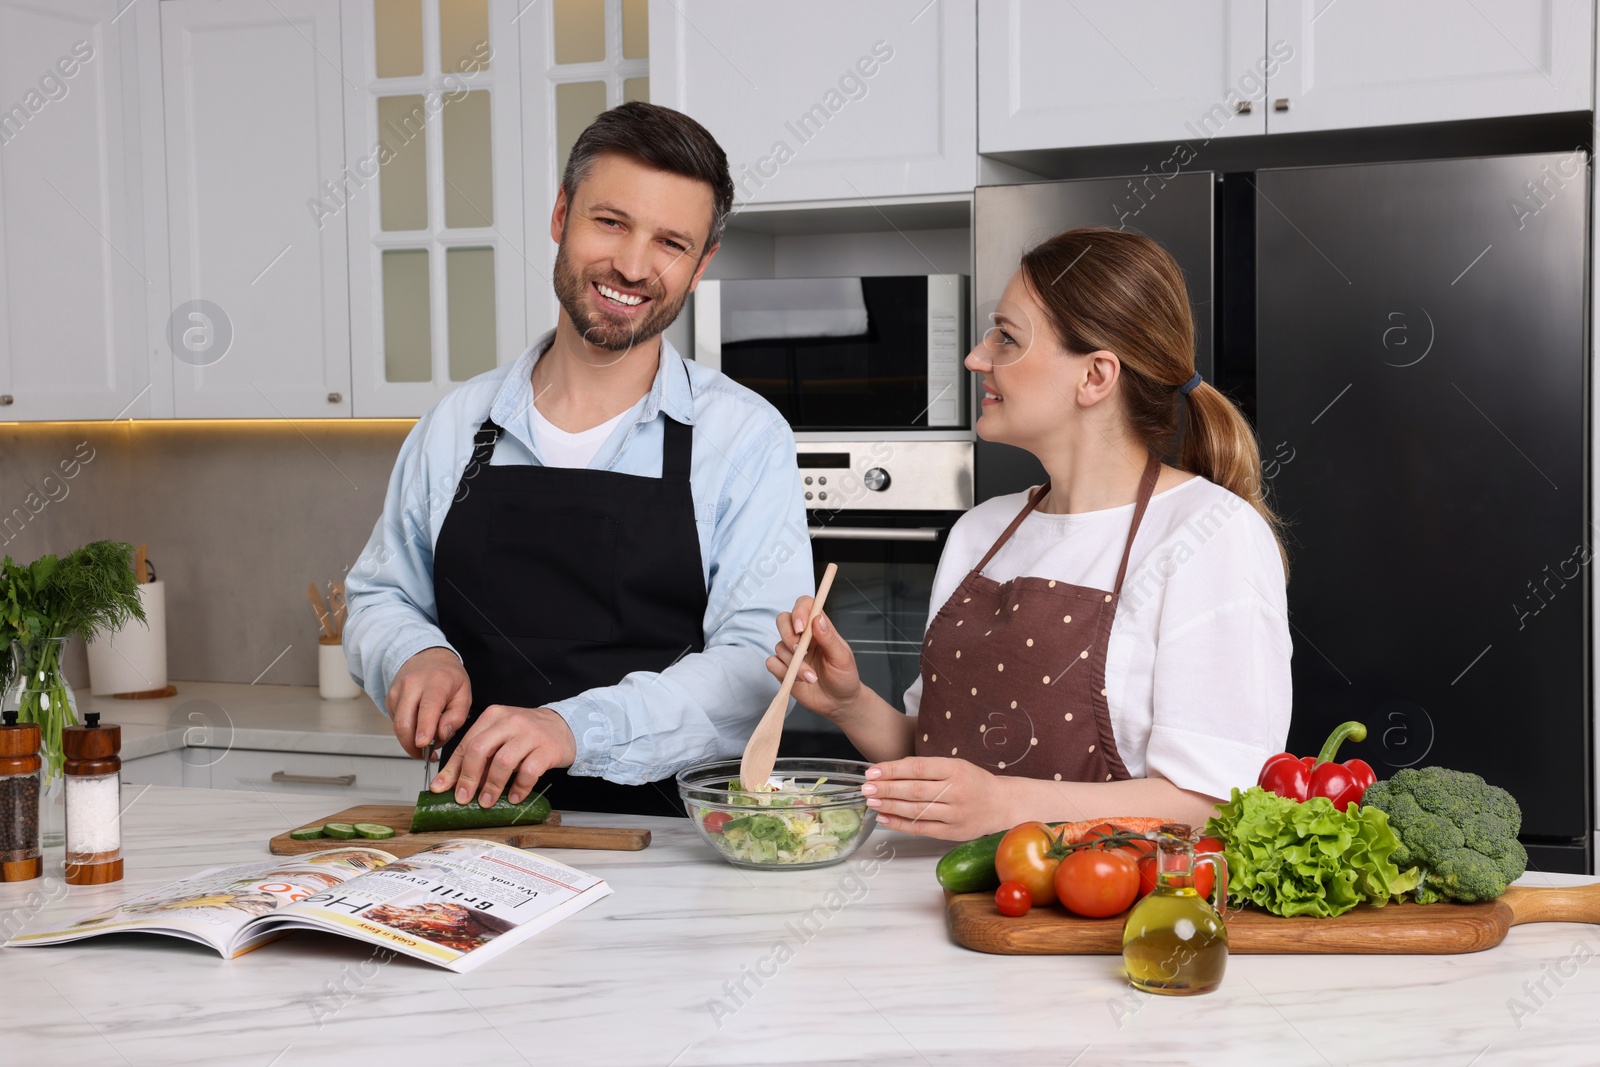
(805, 825)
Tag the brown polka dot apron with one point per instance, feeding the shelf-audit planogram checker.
(1014, 673)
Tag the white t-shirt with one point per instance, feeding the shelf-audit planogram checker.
(558, 448)
(1197, 669)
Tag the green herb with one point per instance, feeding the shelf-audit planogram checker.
(1295, 857)
(89, 592)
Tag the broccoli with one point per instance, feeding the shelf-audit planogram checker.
(1458, 829)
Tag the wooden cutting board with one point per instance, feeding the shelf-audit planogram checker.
(1400, 929)
(550, 834)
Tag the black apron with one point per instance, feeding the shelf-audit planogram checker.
(551, 581)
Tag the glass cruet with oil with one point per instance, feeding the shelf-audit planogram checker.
(1175, 942)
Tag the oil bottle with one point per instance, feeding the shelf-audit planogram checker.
(1175, 942)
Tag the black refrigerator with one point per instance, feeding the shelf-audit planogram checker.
(1411, 342)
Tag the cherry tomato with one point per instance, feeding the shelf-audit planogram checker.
(1024, 857)
(1013, 899)
(1097, 883)
(716, 820)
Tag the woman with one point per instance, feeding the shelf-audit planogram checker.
(1115, 641)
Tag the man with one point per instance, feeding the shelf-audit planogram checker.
(580, 556)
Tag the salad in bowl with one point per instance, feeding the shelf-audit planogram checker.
(810, 813)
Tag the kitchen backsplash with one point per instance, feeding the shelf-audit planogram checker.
(239, 516)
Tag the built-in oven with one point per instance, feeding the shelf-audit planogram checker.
(880, 509)
(831, 354)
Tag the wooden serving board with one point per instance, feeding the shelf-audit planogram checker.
(548, 834)
(1397, 929)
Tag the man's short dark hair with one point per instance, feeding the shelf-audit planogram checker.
(661, 138)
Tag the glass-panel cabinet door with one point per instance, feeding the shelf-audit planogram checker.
(432, 197)
(579, 57)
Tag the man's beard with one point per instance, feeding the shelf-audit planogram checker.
(614, 334)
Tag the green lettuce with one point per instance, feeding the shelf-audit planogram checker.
(1295, 857)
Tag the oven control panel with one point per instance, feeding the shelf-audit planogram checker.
(886, 475)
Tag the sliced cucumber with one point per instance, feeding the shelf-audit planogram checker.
(374, 830)
(306, 833)
(341, 830)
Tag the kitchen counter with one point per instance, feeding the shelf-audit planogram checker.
(280, 718)
(651, 975)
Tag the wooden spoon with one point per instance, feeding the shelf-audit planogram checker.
(315, 599)
(762, 751)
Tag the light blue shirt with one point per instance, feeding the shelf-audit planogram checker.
(755, 557)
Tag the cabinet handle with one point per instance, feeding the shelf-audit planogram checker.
(338, 398)
(6, 400)
(1242, 107)
(1281, 104)
(314, 779)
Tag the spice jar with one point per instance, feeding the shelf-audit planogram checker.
(20, 858)
(94, 801)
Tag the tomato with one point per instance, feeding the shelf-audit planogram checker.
(1024, 856)
(716, 820)
(1205, 878)
(1147, 876)
(1013, 899)
(1097, 883)
(1134, 850)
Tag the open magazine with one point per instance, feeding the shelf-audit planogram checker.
(457, 904)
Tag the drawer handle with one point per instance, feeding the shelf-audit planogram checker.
(314, 779)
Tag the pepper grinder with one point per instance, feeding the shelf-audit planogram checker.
(20, 858)
(94, 801)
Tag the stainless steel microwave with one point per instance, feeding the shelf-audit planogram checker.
(873, 353)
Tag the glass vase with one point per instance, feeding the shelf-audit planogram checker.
(40, 693)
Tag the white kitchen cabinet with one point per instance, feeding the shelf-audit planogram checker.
(253, 117)
(72, 275)
(1378, 63)
(357, 778)
(1097, 72)
(1100, 72)
(833, 99)
(160, 768)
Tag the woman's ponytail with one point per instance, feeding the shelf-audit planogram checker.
(1127, 296)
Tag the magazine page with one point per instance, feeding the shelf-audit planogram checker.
(216, 906)
(456, 904)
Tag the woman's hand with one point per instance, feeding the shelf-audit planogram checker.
(937, 796)
(828, 682)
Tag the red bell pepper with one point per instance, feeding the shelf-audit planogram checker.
(1304, 777)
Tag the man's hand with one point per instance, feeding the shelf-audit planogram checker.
(936, 796)
(428, 700)
(507, 745)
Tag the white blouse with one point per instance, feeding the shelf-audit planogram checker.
(1197, 670)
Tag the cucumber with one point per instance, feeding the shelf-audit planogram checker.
(341, 830)
(374, 830)
(306, 833)
(969, 868)
(439, 811)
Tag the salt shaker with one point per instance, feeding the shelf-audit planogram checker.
(20, 858)
(94, 801)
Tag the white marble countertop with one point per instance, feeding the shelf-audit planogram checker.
(638, 977)
(279, 718)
